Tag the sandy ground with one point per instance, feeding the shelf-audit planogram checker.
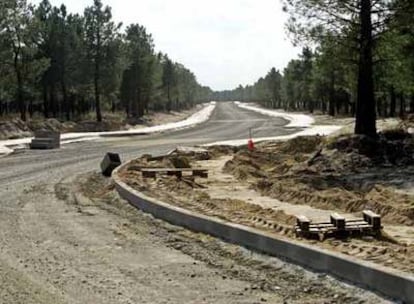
(13, 128)
(157, 118)
(57, 247)
(234, 199)
(231, 274)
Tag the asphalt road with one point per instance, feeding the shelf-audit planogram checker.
(53, 250)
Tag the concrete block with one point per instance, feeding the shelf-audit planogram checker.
(45, 140)
(109, 163)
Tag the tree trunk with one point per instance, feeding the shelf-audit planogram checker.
(412, 103)
(66, 101)
(347, 102)
(402, 106)
(379, 107)
(20, 98)
(52, 99)
(45, 101)
(365, 122)
(73, 103)
(31, 110)
(169, 99)
(331, 106)
(323, 105)
(140, 104)
(97, 76)
(393, 102)
(311, 106)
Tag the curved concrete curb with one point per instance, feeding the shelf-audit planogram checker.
(375, 277)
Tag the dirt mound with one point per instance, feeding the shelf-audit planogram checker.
(245, 166)
(395, 147)
(330, 191)
(177, 161)
(217, 151)
(103, 126)
(348, 173)
(195, 153)
(15, 128)
(301, 144)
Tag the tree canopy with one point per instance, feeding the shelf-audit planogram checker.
(357, 59)
(65, 65)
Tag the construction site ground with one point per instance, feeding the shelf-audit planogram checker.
(309, 176)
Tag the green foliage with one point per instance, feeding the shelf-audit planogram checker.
(18, 36)
(65, 65)
(362, 57)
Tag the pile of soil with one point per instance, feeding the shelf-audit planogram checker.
(12, 128)
(183, 192)
(16, 128)
(260, 169)
(349, 173)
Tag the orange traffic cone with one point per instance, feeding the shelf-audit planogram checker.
(250, 144)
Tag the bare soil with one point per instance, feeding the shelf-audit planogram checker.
(220, 272)
(13, 127)
(313, 176)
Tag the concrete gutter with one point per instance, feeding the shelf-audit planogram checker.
(387, 281)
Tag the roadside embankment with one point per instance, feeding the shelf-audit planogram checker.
(185, 201)
(200, 116)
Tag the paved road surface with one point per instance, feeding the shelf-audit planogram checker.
(54, 251)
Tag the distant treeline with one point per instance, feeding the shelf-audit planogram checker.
(362, 57)
(64, 65)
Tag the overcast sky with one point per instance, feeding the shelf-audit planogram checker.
(224, 42)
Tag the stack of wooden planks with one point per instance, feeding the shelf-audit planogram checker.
(178, 172)
(339, 226)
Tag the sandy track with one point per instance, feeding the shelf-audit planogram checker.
(265, 279)
(53, 250)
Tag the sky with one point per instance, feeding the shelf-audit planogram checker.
(224, 42)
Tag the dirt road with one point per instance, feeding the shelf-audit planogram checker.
(59, 248)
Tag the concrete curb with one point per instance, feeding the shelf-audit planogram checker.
(369, 275)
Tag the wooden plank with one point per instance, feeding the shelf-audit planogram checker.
(173, 169)
(338, 221)
(303, 222)
(321, 225)
(372, 219)
(200, 173)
